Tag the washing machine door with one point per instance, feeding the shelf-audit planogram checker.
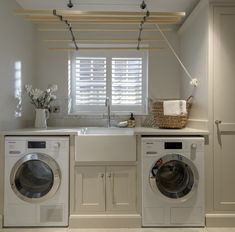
(174, 176)
(35, 177)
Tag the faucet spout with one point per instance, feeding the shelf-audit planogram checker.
(107, 104)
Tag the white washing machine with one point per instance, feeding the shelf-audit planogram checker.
(173, 181)
(36, 181)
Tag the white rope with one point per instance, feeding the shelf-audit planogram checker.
(193, 81)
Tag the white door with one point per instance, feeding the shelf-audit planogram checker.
(224, 108)
(90, 189)
(121, 188)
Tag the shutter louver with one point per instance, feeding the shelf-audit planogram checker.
(90, 83)
(127, 81)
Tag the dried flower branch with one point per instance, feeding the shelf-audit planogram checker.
(41, 99)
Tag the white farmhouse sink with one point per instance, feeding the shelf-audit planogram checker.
(105, 144)
(106, 131)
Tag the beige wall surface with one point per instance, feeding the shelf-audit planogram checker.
(16, 65)
(16, 69)
(194, 49)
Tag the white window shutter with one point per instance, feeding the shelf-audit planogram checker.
(127, 81)
(120, 76)
(90, 81)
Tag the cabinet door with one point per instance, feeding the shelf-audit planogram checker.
(90, 189)
(224, 108)
(121, 188)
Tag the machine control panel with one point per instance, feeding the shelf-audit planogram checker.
(36, 144)
(152, 146)
(173, 145)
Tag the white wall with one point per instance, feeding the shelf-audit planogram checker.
(164, 71)
(195, 45)
(16, 63)
(194, 48)
(52, 68)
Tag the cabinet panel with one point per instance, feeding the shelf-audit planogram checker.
(89, 189)
(121, 188)
(224, 110)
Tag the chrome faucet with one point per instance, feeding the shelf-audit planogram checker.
(107, 104)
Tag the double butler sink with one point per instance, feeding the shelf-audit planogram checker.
(105, 144)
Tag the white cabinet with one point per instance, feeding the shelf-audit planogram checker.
(120, 188)
(100, 189)
(224, 110)
(90, 189)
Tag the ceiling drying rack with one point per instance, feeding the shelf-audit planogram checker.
(80, 18)
(76, 18)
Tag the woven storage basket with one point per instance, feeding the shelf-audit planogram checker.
(165, 121)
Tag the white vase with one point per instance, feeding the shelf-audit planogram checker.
(41, 118)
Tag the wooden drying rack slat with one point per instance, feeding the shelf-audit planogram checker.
(105, 48)
(106, 17)
(124, 20)
(100, 30)
(104, 23)
(101, 18)
(76, 19)
(102, 40)
(98, 13)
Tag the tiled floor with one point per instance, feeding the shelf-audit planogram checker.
(123, 230)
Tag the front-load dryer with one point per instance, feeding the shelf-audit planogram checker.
(36, 181)
(173, 181)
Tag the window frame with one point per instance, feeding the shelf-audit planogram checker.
(99, 110)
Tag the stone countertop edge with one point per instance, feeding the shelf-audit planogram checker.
(57, 131)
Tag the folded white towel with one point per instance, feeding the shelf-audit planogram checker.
(175, 108)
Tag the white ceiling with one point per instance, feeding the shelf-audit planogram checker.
(115, 5)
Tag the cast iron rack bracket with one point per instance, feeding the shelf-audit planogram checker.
(143, 6)
(69, 27)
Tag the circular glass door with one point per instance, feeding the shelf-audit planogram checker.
(35, 177)
(174, 176)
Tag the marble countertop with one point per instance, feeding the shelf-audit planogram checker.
(156, 131)
(75, 131)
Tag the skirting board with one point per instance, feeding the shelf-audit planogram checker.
(220, 220)
(105, 221)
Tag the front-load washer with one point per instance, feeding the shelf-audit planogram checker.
(173, 181)
(36, 181)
